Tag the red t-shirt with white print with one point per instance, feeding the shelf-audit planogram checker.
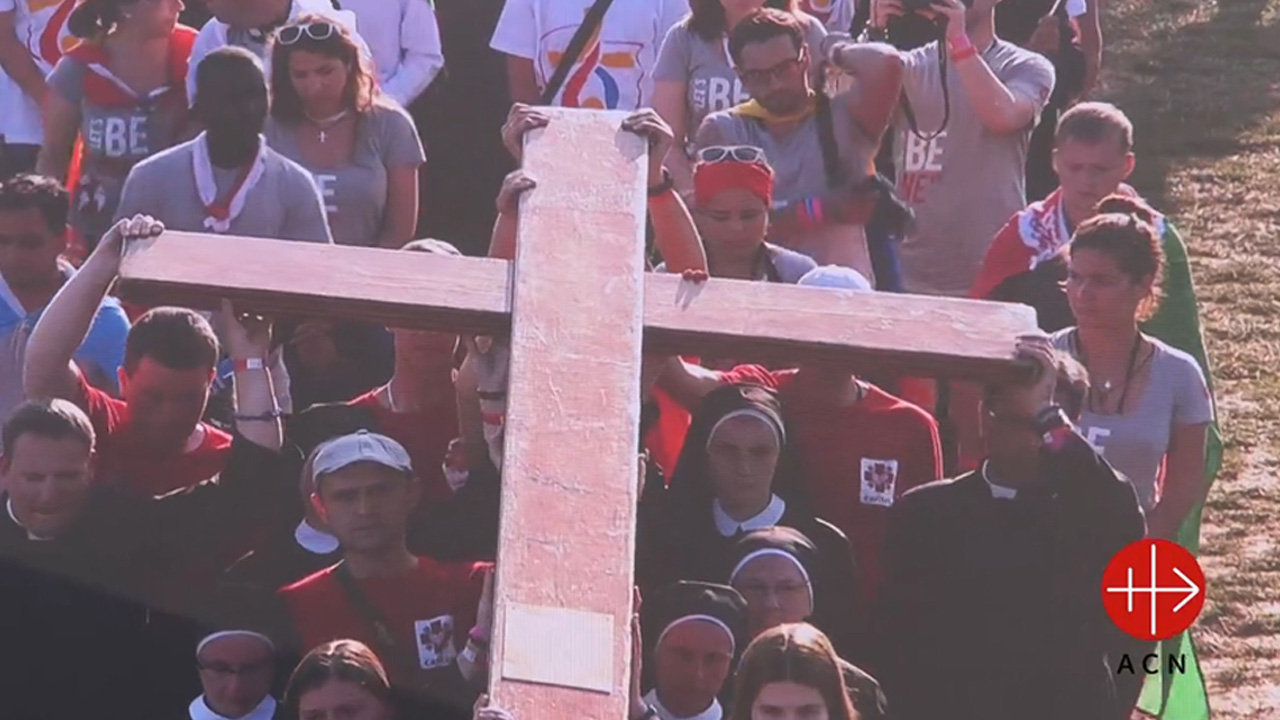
(126, 462)
(856, 460)
(429, 612)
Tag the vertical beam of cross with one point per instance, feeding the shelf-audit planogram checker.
(561, 646)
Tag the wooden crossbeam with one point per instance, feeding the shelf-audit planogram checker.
(911, 335)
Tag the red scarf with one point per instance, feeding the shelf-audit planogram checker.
(103, 91)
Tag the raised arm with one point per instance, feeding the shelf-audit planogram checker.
(671, 100)
(66, 321)
(1091, 43)
(1002, 108)
(877, 72)
(673, 230)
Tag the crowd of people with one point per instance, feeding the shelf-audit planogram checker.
(308, 506)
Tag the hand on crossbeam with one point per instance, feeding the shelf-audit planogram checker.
(520, 120)
(246, 336)
(515, 184)
(648, 124)
(135, 228)
(485, 710)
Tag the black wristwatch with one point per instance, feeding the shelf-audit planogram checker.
(663, 187)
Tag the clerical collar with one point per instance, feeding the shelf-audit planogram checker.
(767, 518)
(714, 712)
(8, 504)
(313, 540)
(200, 710)
(999, 492)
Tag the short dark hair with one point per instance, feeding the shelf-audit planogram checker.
(51, 418)
(27, 191)
(762, 26)
(1093, 123)
(177, 338)
(707, 21)
(1069, 391)
(96, 19)
(227, 60)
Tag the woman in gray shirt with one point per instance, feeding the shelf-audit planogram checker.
(328, 115)
(695, 76)
(1149, 407)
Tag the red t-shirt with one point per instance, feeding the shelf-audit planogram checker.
(856, 460)
(428, 610)
(123, 460)
(425, 435)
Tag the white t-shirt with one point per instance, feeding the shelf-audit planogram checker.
(217, 34)
(405, 40)
(614, 72)
(44, 33)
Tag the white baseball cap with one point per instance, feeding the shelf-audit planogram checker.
(837, 277)
(362, 446)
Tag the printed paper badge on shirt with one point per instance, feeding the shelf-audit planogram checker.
(435, 642)
(878, 480)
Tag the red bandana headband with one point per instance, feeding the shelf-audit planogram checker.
(712, 178)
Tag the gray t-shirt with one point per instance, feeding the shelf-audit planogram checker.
(713, 84)
(1136, 442)
(115, 139)
(967, 182)
(799, 172)
(355, 194)
(284, 204)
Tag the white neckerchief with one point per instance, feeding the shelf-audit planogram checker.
(727, 57)
(714, 712)
(200, 710)
(102, 71)
(30, 535)
(999, 492)
(208, 187)
(313, 540)
(767, 518)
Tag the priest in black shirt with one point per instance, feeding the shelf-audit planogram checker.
(991, 605)
(79, 560)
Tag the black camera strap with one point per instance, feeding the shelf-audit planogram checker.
(910, 113)
(593, 19)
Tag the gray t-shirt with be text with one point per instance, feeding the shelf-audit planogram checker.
(1136, 442)
(115, 139)
(355, 194)
(284, 204)
(704, 65)
(968, 181)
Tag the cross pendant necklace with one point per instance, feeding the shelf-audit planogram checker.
(323, 124)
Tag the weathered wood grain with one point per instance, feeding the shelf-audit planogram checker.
(913, 335)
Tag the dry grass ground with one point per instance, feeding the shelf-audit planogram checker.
(1202, 81)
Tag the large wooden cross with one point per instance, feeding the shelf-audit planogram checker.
(578, 307)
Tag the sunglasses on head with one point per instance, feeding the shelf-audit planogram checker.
(731, 153)
(318, 31)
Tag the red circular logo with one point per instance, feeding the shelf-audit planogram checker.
(1153, 589)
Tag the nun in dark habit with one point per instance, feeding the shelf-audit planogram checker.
(693, 634)
(734, 476)
(778, 572)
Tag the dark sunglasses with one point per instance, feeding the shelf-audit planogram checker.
(318, 31)
(731, 153)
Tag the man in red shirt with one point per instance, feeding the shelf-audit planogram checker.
(418, 408)
(152, 441)
(859, 447)
(428, 621)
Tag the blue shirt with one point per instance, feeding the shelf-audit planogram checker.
(102, 350)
